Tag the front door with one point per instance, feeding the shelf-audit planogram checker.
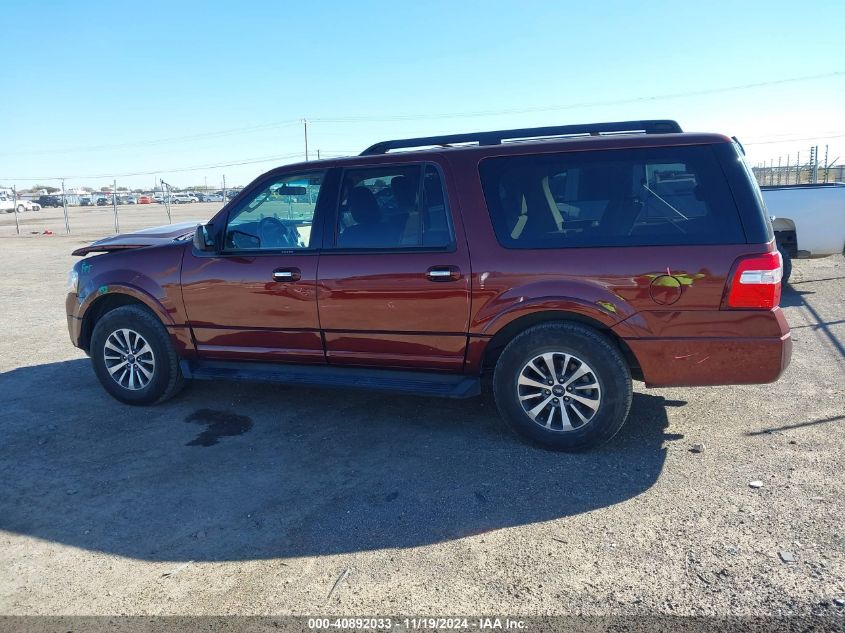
(394, 279)
(256, 298)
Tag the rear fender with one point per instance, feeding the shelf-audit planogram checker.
(592, 301)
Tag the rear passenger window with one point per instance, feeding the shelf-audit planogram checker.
(637, 197)
(394, 207)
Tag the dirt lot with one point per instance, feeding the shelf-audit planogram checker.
(238, 498)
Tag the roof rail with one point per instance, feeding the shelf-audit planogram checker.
(659, 126)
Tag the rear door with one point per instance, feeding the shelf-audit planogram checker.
(256, 298)
(394, 278)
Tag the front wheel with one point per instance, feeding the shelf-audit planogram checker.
(21, 208)
(133, 357)
(563, 386)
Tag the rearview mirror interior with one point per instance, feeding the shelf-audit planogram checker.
(289, 190)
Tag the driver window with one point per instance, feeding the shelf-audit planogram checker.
(279, 216)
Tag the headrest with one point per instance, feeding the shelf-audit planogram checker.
(363, 206)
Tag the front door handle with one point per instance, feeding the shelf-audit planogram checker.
(287, 274)
(443, 273)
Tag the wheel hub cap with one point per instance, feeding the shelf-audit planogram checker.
(129, 359)
(559, 391)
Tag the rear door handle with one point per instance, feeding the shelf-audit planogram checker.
(287, 274)
(443, 273)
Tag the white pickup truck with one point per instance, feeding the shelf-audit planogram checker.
(8, 204)
(809, 220)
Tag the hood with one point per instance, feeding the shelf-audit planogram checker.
(139, 239)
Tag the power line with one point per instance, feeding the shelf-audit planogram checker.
(164, 141)
(572, 106)
(793, 140)
(411, 117)
(248, 161)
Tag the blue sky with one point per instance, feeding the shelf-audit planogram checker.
(98, 89)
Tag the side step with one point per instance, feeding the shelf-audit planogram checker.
(407, 382)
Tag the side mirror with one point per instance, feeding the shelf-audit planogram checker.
(204, 239)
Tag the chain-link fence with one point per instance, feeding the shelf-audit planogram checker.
(94, 221)
(775, 175)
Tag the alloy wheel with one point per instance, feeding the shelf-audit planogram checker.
(129, 359)
(559, 391)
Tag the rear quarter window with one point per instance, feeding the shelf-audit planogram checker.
(631, 197)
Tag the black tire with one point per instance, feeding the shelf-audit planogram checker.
(787, 265)
(607, 364)
(166, 380)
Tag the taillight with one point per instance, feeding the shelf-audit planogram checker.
(756, 282)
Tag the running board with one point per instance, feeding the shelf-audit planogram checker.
(407, 382)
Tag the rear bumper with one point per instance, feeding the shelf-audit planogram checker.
(738, 348)
(706, 361)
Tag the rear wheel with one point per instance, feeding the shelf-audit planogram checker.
(787, 264)
(563, 386)
(133, 357)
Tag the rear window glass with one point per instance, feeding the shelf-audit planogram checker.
(636, 197)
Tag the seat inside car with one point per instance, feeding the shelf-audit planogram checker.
(368, 230)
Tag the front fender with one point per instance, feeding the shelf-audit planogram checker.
(89, 296)
(150, 275)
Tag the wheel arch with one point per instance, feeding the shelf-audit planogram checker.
(497, 343)
(786, 235)
(100, 307)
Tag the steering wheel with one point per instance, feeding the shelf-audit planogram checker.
(274, 233)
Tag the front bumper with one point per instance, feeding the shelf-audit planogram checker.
(74, 318)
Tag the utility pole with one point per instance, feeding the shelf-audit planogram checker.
(787, 168)
(166, 198)
(798, 169)
(305, 126)
(15, 208)
(114, 206)
(813, 160)
(318, 154)
(825, 163)
(64, 204)
(779, 170)
(224, 188)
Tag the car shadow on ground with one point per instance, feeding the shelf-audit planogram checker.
(790, 297)
(248, 471)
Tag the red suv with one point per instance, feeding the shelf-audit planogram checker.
(564, 261)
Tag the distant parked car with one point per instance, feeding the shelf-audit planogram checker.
(144, 200)
(183, 198)
(127, 200)
(86, 201)
(213, 197)
(9, 205)
(50, 201)
(103, 201)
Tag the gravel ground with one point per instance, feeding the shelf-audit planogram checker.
(248, 499)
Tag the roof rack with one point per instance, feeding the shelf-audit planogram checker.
(659, 126)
